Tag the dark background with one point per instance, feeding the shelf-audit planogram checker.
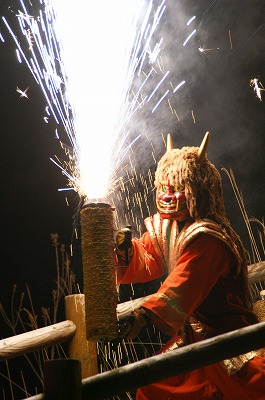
(31, 205)
(219, 94)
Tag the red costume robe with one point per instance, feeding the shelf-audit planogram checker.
(202, 297)
(151, 255)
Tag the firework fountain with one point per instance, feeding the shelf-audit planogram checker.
(98, 71)
(88, 81)
(96, 86)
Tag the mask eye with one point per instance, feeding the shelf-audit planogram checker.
(179, 189)
(163, 188)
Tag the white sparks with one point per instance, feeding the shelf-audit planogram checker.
(85, 67)
(154, 54)
(99, 90)
(157, 86)
(179, 86)
(23, 93)
(96, 70)
(190, 20)
(189, 37)
(160, 101)
(203, 51)
(18, 56)
(257, 89)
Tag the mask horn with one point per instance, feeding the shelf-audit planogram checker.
(169, 143)
(203, 147)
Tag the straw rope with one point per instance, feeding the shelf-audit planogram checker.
(99, 272)
(259, 310)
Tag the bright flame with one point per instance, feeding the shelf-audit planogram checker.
(97, 51)
(85, 67)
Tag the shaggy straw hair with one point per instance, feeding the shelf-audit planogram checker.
(202, 182)
(204, 195)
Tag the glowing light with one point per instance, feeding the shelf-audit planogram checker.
(189, 37)
(179, 86)
(85, 66)
(165, 94)
(190, 20)
(18, 56)
(157, 86)
(203, 51)
(23, 93)
(257, 86)
(96, 54)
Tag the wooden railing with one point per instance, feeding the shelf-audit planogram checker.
(63, 377)
(153, 369)
(36, 340)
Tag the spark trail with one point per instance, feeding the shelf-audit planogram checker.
(85, 66)
(100, 68)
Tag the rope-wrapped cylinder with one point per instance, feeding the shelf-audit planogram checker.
(99, 272)
(259, 309)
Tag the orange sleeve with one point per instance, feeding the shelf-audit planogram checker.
(144, 266)
(195, 274)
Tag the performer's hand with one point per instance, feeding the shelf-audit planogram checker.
(131, 326)
(124, 238)
(124, 245)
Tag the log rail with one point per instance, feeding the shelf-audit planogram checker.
(127, 378)
(156, 368)
(37, 339)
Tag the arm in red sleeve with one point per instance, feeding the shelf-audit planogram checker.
(198, 269)
(144, 265)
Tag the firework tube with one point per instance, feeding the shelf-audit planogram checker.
(99, 272)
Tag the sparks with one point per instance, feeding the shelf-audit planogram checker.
(164, 95)
(190, 20)
(18, 56)
(157, 86)
(203, 51)
(179, 86)
(95, 84)
(258, 87)
(189, 37)
(23, 93)
(230, 39)
(86, 78)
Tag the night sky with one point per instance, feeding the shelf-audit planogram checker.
(219, 95)
(31, 204)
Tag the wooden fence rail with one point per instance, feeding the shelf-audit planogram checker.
(156, 368)
(36, 340)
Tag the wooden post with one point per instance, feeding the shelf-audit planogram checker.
(79, 347)
(62, 379)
